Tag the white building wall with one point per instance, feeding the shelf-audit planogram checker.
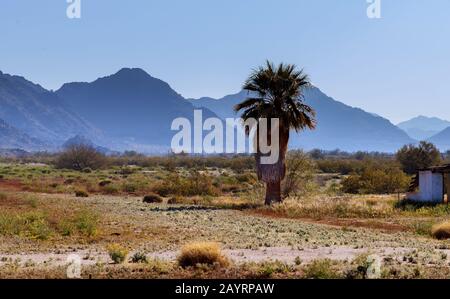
(431, 188)
(437, 186)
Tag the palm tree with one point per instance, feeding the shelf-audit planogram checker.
(277, 92)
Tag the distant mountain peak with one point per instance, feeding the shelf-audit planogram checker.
(134, 71)
(423, 127)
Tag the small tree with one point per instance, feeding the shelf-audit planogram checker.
(79, 157)
(300, 174)
(413, 157)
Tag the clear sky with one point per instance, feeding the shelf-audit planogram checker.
(397, 66)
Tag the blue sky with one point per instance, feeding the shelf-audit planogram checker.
(396, 66)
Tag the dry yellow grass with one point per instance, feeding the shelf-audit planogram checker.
(208, 253)
(441, 231)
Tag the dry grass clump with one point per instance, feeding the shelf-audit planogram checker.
(117, 253)
(81, 193)
(321, 269)
(441, 231)
(202, 253)
(176, 200)
(152, 198)
(319, 207)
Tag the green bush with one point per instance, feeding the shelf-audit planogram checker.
(321, 269)
(80, 157)
(414, 157)
(300, 175)
(139, 257)
(376, 181)
(84, 222)
(194, 184)
(117, 253)
(33, 225)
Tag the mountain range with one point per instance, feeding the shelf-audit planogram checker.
(133, 107)
(338, 125)
(39, 113)
(423, 128)
(131, 110)
(11, 137)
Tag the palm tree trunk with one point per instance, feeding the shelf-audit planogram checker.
(273, 192)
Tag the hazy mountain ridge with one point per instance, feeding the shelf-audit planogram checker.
(441, 139)
(135, 111)
(13, 138)
(339, 125)
(130, 106)
(423, 127)
(39, 113)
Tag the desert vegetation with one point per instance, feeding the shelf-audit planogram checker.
(183, 216)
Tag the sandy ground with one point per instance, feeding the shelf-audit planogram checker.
(160, 231)
(283, 254)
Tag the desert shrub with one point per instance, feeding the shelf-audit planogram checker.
(87, 170)
(423, 228)
(412, 208)
(342, 166)
(321, 269)
(152, 198)
(268, 269)
(81, 193)
(441, 231)
(246, 178)
(319, 207)
(86, 223)
(83, 222)
(359, 267)
(129, 187)
(111, 189)
(80, 157)
(33, 225)
(104, 183)
(117, 253)
(413, 157)
(300, 174)
(127, 170)
(138, 258)
(207, 253)
(376, 181)
(194, 184)
(176, 200)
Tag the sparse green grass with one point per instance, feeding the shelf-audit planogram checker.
(225, 205)
(33, 225)
(319, 207)
(321, 269)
